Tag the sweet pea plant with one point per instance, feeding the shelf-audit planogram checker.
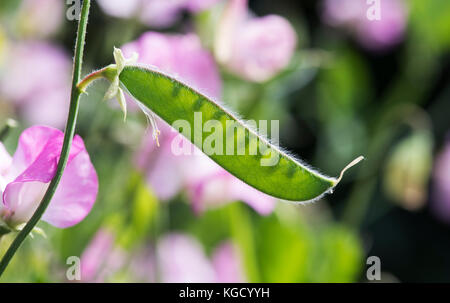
(51, 177)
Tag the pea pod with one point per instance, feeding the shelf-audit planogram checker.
(173, 100)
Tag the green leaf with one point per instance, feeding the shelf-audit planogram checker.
(172, 100)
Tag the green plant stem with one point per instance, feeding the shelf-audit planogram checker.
(68, 137)
(107, 72)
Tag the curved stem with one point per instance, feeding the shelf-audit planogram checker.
(105, 73)
(68, 137)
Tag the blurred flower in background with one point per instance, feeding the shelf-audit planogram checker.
(120, 9)
(254, 48)
(102, 258)
(372, 34)
(181, 259)
(178, 258)
(154, 13)
(228, 264)
(441, 184)
(408, 170)
(36, 79)
(181, 56)
(25, 178)
(40, 18)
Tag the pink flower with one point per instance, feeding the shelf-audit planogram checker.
(120, 8)
(372, 34)
(178, 258)
(24, 179)
(441, 185)
(181, 56)
(36, 78)
(254, 48)
(196, 6)
(181, 259)
(162, 13)
(227, 264)
(156, 13)
(101, 258)
(221, 187)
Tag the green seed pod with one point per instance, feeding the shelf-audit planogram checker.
(286, 178)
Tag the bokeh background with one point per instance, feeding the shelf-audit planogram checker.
(340, 85)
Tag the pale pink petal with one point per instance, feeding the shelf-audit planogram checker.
(231, 22)
(182, 260)
(32, 142)
(162, 13)
(36, 78)
(49, 109)
(209, 185)
(21, 200)
(76, 193)
(5, 165)
(227, 264)
(120, 8)
(387, 31)
(142, 265)
(372, 34)
(260, 202)
(222, 188)
(95, 255)
(263, 47)
(34, 68)
(255, 49)
(198, 167)
(196, 6)
(160, 165)
(36, 161)
(155, 13)
(200, 71)
(149, 148)
(164, 176)
(343, 12)
(115, 261)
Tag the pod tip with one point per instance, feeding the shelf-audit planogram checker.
(350, 165)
